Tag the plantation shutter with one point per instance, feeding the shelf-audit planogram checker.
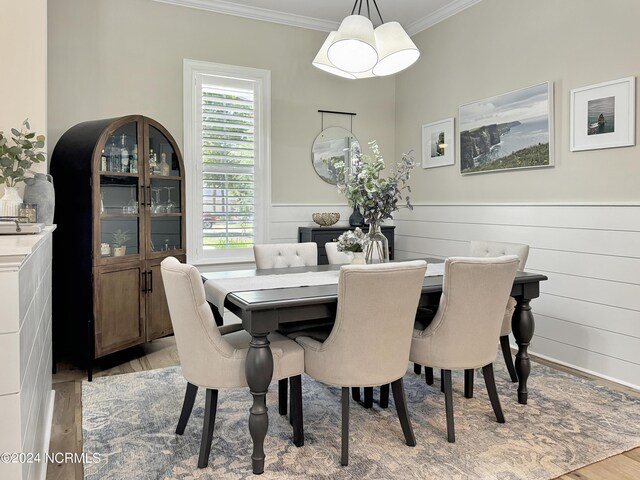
(228, 163)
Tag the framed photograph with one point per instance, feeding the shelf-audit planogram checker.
(438, 144)
(510, 131)
(603, 115)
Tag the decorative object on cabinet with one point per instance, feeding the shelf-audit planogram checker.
(356, 219)
(333, 144)
(438, 144)
(28, 212)
(39, 191)
(322, 235)
(106, 300)
(10, 202)
(325, 219)
(603, 115)
(356, 50)
(509, 131)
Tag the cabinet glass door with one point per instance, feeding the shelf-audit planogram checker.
(166, 196)
(120, 152)
(119, 216)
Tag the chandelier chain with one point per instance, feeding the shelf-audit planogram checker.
(358, 4)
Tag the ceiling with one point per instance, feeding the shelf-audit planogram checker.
(326, 15)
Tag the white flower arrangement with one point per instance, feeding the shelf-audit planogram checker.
(353, 241)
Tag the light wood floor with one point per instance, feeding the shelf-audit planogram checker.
(66, 434)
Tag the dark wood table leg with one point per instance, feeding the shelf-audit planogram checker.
(259, 370)
(523, 326)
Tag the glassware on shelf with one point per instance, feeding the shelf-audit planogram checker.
(134, 159)
(114, 156)
(124, 154)
(103, 161)
(153, 163)
(156, 206)
(132, 205)
(101, 202)
(170, 206)
(165, 168)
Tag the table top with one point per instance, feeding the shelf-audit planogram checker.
(254, 300)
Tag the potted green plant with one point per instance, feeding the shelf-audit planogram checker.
(119, 238)
(15, 162)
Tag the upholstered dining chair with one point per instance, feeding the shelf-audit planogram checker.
(334, 256)
(370, 340)
(214, 358)
(479, 248)
(464, 331)
(284, 255)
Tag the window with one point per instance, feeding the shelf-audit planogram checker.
(226, 125)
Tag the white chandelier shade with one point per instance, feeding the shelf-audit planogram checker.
(322, 60)
(395, 49)
(354, 45)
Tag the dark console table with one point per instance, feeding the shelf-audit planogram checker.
(322, 235)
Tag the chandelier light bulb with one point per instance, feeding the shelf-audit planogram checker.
(354, 46)
(322, 60)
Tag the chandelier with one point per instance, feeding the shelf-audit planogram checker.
(356, 50)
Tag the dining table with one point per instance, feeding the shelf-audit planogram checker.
(268, 299)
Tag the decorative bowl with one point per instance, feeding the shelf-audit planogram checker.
(325, 219)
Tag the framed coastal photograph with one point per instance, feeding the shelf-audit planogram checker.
(438, 144)
(603, 115)
(510, 131)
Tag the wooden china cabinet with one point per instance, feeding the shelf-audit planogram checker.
(119, 182)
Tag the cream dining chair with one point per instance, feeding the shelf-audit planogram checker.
(370, 340)
(214, 358)
(479, 248)
(464, 331)
(334, 256)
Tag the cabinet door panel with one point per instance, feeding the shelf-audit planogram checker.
(119, 308)
(158, 318)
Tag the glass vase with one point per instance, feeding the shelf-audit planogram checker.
(377, 250)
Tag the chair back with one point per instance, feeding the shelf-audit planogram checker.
(482, 248)
(200, 345)
(370, 341)
(466, 327)
(334, 256)
(284, 255)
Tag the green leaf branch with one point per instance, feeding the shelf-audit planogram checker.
(16, 159)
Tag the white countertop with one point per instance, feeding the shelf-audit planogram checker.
(12, 246)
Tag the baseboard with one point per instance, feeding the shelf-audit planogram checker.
(580, 369)
(44, 448)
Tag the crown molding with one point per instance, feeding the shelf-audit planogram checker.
(256, 13)
(439, 15)
(267, 15)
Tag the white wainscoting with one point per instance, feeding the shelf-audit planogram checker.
(588, 313)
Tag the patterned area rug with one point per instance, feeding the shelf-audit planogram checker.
(568, 423)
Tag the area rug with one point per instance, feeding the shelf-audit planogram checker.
(129, 420)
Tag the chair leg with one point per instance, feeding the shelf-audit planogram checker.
(211, 404)
(442, 381)
(368, 397)
(384, 396)
(417, 368)
(428, 375)
(468, 383)
(401, 407)
(187, 407)
(296, 410)
(344, 459)
(355, 393)
(508, 359)
(283, 385)
(490, 382)
(448, 405)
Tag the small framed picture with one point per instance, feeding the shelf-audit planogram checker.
(603, 115)
(438, 144)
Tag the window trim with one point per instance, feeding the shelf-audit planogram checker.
(193, 164)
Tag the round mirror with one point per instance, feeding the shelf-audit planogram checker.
(333, 144)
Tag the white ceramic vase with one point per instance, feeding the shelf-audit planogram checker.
(10, 202)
